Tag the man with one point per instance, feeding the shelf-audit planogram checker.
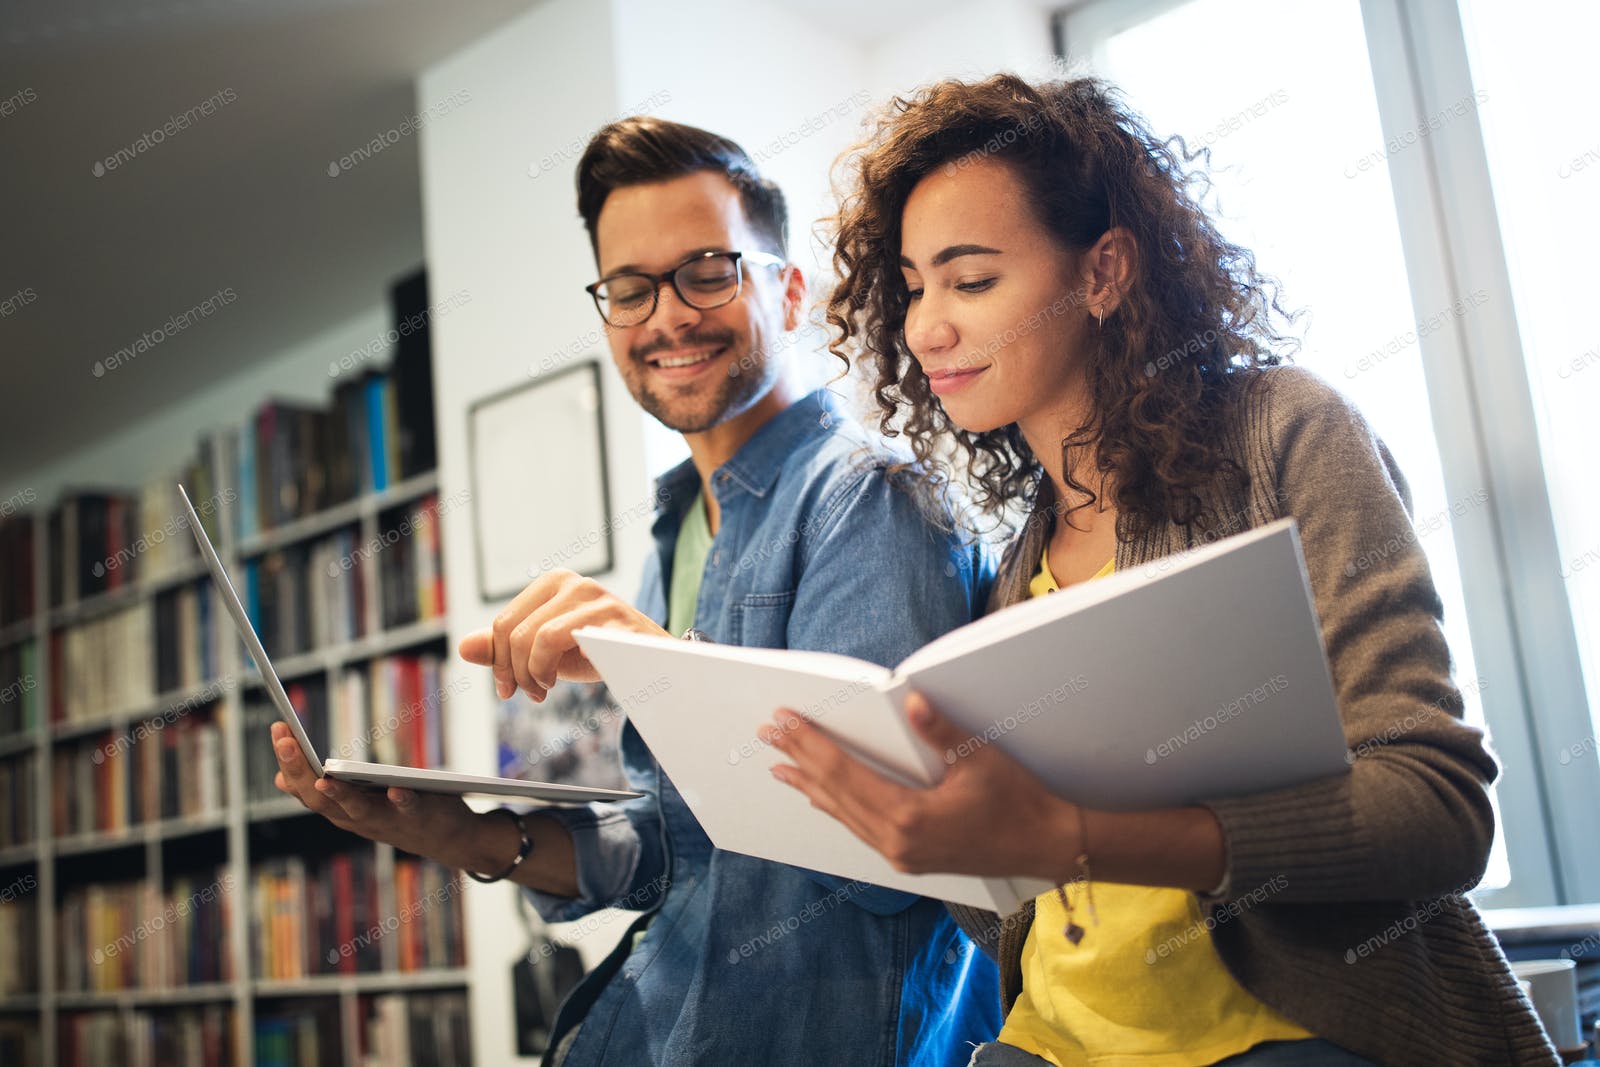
(783, 529)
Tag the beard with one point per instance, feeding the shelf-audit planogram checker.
(694, 407)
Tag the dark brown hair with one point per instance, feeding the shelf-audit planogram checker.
(641, 149)
(1166, 368)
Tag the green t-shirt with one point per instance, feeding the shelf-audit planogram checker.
(688, 567)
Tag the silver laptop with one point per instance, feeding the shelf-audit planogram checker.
(374, 774)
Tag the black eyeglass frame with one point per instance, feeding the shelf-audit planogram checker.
(760, 259)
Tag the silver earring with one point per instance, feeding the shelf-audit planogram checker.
(1100, 314)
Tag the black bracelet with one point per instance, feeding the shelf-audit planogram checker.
(522, 852)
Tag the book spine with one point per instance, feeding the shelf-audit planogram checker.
(377, 445)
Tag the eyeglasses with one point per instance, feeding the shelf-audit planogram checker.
(706, 281)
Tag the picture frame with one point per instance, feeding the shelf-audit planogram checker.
(541, 491)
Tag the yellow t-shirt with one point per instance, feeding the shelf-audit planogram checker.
(1144, 988)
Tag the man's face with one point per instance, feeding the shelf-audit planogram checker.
(692, 368)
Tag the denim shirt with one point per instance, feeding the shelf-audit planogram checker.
(744, 961)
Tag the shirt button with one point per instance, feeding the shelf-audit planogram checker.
(716, 559)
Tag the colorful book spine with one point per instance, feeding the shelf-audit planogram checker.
(377, 423)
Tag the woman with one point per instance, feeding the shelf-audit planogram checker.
(1028, 274)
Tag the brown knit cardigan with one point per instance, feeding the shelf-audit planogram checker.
(1343, 904)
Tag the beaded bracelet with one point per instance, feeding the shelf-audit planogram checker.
(522, 852)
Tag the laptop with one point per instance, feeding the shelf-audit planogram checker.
(374, 774)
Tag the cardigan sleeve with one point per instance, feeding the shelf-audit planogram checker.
(1412, 819)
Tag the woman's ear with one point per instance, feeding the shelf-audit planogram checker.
(1108, 270)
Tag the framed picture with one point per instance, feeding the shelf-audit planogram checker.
(540, 493)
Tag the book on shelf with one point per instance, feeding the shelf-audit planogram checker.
(19, 688)
(195, 948)
(104, 540)
(125, 658)
(404, 711)
(90, 533)
(190, 768)
(16, 569)
(18, 794)
(188, 1036)
(103, 666)
(309, 698)
(298, 1034)
(411, 574)
(309, 595)
(293, 459)
(316, 916)
(20, 1041)
(160, 768)
(428, 902)
(115, 936)
(291, 441)
(412, 374)
(90, 787)
(430, 1029)
(186, 642)
(19, 933)
(388, 709)
(314, 594)
(321, 916)
(111, 685)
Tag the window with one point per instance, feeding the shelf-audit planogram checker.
(1533, 61)
(1326, 159)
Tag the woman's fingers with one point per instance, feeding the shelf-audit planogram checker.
(942, 735)
(835, 781)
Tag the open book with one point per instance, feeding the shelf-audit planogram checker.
(1199, 675)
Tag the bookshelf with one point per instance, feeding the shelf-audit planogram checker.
(153, 896)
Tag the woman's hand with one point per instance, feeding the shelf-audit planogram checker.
(531, 647)
(989, 816)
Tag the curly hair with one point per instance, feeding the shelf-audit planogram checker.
(1164, 371)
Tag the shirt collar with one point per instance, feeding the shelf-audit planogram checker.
(755, 467)
(757, 463)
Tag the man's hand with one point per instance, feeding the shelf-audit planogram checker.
(438, 827)
(531, 645)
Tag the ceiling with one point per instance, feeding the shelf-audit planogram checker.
(94, 258)
(98, 252)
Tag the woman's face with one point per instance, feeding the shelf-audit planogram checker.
(996, 314)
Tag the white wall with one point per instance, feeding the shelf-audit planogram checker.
(788, 91)
(500, 223)
(971, 40)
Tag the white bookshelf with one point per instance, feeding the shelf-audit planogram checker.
(147, 846)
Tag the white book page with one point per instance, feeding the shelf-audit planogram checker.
(1019, 618)
(698, 707)
(1209, 681)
